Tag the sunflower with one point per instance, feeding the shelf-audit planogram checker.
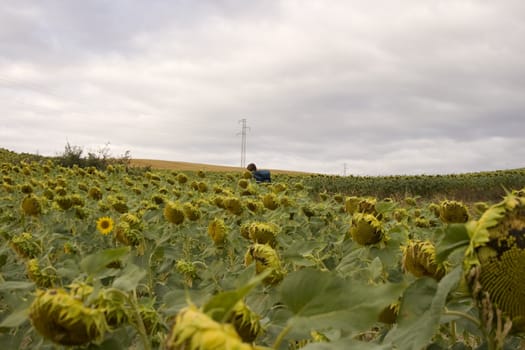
(105, 225)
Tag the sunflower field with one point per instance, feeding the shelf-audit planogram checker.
(156, 259)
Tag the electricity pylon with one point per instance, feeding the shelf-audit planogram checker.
(243, 142)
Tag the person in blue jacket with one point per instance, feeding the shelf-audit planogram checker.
(261, 175)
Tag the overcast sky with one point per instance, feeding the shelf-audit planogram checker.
(377, 87)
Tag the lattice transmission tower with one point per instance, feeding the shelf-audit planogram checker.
(243, 142)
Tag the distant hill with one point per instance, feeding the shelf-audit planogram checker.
(185, 166)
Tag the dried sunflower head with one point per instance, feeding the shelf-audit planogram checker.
(174, 213)
(265, 258)
(31, 205)
(217, 231)
(194, 330)
(64, 319)
(419, 258)
(497, 250)
(24, 245)
(245, 321)
(453, 212)
(270, 201)
(262, 232)
(233, 205)
(191, 211)
(366, 229)
(389, 314)
(43, 278)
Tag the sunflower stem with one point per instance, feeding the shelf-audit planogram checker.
(464, 315)
(281, 336)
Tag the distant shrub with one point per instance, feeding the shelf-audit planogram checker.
(72, 156)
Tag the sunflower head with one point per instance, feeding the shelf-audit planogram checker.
(31, 205)
(270, 201)
(188, 270)
(245, 321)
(24, 245)
(367, 205)
(174, 213)
(265, 258)
(233, 205)
(182, 178)
(366, 229)
(126, 234)
(64, 319)
(497, 250)
(351, 204)
(191, 211)
(217, 231)
(43, 278)
(453, 212)
(263, 232)
(194, 330)
(64, 201)
(105, 225)
(389, 314)
(419, 258)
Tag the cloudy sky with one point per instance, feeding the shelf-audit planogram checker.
(371, 87)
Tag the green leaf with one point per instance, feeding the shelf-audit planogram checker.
(96, 262)
(130, 278)
(421, 309)
(15, 319)
(456, 236)
(221, 304)
(15, 285)
(345, 344)
(320, 300)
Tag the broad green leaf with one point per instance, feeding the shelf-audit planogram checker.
(320, 300)
(15, 285)
(456, 236)
(220, 305)
(345, 344)
(421, 309)
(130, 278)
(15, 319)
(96, 262)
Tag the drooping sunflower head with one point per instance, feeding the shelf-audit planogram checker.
(182, 178)
(25, 246)
(265, 258)
(263, 232)
(174, 213)
(243, 183)
(191, 211)
(127, 234)
(31, 205)
(64, 202)
(389, 314)
(366, 229)
(64, 319)
(188, 270)
(419, 258)
(233, 205)
(246, 322)
(270, 201)
(367, 205)
(105, 225)
(217, 231)
(352, 204)
(453, 212)
(43, 278)
(194, 330)
(498, 242)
